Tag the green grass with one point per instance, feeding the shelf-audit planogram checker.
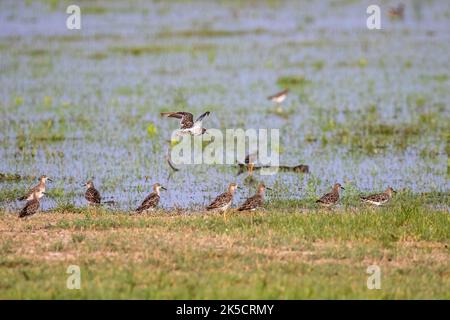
(283, 253)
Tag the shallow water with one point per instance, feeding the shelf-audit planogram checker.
(90, 95)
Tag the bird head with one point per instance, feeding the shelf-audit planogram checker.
(157, 187)
(44, 179)
(337, 187)
(89, 184)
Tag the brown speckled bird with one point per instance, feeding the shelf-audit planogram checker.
(256, 201)
(152, 200)
(331, 198)
(379, 198)
(224, 200)
(187, 124)
(92, 195)
(39, 187)
(32, 206)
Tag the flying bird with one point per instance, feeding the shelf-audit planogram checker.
(224, 200)
(278, 98)
(256, 201)
(32, 206)
(187, 124)
(380, 198)
(39, 187)
(152, 200)
(331, 198)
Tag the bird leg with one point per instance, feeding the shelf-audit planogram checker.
(250, 168)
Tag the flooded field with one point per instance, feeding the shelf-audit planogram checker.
(367, 108)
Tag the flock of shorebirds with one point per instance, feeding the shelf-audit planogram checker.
(222, 202)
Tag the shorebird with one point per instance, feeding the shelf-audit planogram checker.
(397, 12)
(32, 206)
(224, 200)
(39, 187)
(92, 195)
(380, 198)
(278, 98)
(152, 200)
(250, 161)
(187, 124)
(256, 201)
(331, 198)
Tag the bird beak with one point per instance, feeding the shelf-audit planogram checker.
(240, 188)
(48, 179)
(83, 185)
(269, 188)
(342, 188)
(163, 188)
(394, 191)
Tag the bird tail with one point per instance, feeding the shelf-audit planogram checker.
(139, 210)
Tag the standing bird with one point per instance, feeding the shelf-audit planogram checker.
(278, 98)
(32, 206)
(92, 195)
(223, 201)
(250, 161)
(39, 187)
(152, 200)
(380, 198)
(331, 198)
(256, 201)
(187, 124)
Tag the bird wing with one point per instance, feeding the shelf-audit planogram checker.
(151, 201)
(29, 193)
(251, 203)
(330, 197)
(30, 208)
(220, 201)
(92, 195)
(200, 118)
(187, 119)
